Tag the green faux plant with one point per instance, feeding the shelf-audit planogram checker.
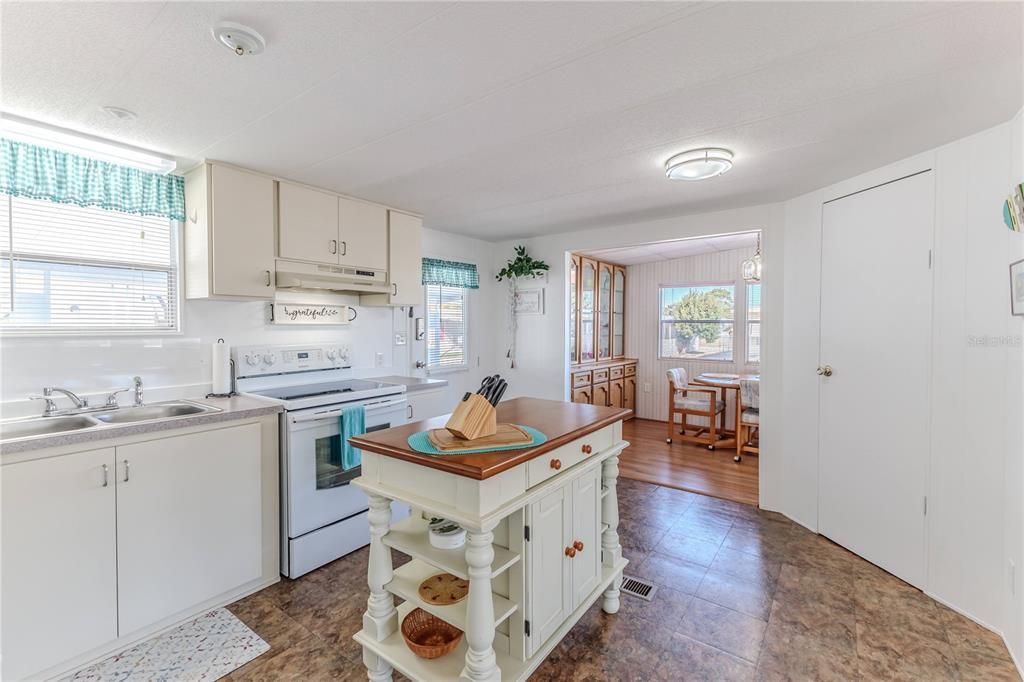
(522, 266)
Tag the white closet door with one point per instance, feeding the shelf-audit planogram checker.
(876, 310)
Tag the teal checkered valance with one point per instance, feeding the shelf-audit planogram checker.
(43, 173)
(450, 273)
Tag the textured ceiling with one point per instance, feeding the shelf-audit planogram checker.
(502, 120)
(678, 248)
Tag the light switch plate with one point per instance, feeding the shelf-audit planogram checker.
(647, 387)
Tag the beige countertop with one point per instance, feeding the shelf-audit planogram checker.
(413, 384)
(238, 407)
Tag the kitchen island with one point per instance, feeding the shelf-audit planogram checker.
(542, 541)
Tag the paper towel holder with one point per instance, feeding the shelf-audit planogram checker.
(234, 386)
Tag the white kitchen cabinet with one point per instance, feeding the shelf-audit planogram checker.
(586, 535)
(405, 262)
(550, 522)
(188, 521)
(426, 404)
(363, 234)
(59, 573)
(307, 224)
(229, 233)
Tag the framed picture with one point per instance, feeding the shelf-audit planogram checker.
(1017, 288)
(529, 302)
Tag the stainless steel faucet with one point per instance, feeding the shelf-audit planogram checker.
(137, 387)
(51, 409)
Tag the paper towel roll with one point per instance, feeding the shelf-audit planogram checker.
(221, 364)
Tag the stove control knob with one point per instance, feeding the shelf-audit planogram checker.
(332, 354)
(344, 353)
(252, 359)
(270, 358)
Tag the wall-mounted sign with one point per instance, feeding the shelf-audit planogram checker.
(302, 313)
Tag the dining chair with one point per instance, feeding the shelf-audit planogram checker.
(697, 401)
(748, 418)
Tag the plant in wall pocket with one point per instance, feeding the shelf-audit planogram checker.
(521, 267)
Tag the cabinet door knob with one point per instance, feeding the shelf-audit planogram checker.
(394, 289)
(578, 545)
(334, 246)
(587, 449)
(127, 470)
(344, 248)
(556, 464)
(268, 277)
(106, 481)
(570, 552)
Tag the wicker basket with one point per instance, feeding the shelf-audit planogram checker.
(427, 636)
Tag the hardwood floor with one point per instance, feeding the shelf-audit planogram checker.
(686, 467)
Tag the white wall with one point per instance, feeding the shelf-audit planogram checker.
(974, 481)
(178, 365)
(644, 315)
(542, 360)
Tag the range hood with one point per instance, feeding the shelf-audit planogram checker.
(297, 275)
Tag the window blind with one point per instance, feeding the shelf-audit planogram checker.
(85, 269)
(446, 327)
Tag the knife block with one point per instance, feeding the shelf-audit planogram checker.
(473, 418)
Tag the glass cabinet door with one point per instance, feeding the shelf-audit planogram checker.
(604, 309)
(618, 312)
(574, 284)
(588, 291)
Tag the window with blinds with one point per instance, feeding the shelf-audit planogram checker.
(69, 269)
(446, 327)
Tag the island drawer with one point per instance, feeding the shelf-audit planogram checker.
(581, 379)
(544, 467)
(616, 372)
(600, 375)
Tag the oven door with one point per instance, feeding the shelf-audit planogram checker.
(317, 488)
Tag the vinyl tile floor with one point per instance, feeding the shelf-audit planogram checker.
(742, 595)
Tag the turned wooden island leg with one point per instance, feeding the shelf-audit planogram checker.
(381, 617)
(611, 550)
(481, 661)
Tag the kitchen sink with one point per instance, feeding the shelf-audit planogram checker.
(43, 426)
(150, 412)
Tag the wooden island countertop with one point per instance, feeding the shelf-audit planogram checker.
(561, 422)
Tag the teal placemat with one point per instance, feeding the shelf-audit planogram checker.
(420, 442)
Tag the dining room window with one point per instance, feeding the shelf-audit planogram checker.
(697, 322)
(447, 327)
(753, 338)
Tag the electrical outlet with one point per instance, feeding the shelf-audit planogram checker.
(379, 360)
(400, 338)
(647, 387)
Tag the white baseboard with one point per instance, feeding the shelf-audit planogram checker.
(983, 624)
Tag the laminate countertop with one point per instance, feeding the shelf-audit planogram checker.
(229, 409)
(413, 384)
(561, 422)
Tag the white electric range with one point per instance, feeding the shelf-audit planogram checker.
(322, 516)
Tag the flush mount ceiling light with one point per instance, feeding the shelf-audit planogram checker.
(241, 40)
(119, 113)
(699, 164)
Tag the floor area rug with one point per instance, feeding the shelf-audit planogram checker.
(204, 649)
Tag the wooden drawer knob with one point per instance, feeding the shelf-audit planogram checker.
(556, 464)
(587, 449)
(570, 552)
(578, 545)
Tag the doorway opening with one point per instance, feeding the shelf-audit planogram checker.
(672, 331)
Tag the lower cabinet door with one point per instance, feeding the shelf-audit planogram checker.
(188, 521)
(602, 394)
(617, 390)
(426, 404)
(550, 521)
(586, 534)
(59, 572)
(629, 393)
(582, 395)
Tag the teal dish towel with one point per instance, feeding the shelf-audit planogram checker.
(353, 423)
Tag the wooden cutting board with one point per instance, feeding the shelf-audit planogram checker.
(508, 434)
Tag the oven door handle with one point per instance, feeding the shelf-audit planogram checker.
(334, 414)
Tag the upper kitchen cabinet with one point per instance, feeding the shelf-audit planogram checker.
(321, 227)
(308, 224)
(405, 262)
(363, 234)
(229, 233)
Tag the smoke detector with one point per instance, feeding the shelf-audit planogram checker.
(240, 39)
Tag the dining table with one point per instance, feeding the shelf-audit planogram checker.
(726, 382)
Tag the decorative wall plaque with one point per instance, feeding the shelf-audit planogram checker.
(311, 313)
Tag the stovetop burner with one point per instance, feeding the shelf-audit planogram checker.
(314, 390)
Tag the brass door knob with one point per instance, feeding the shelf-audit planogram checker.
(570, 552)
(578, 545)
(825, 371)
(556, 464)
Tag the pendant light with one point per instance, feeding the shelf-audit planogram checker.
(751, 267)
